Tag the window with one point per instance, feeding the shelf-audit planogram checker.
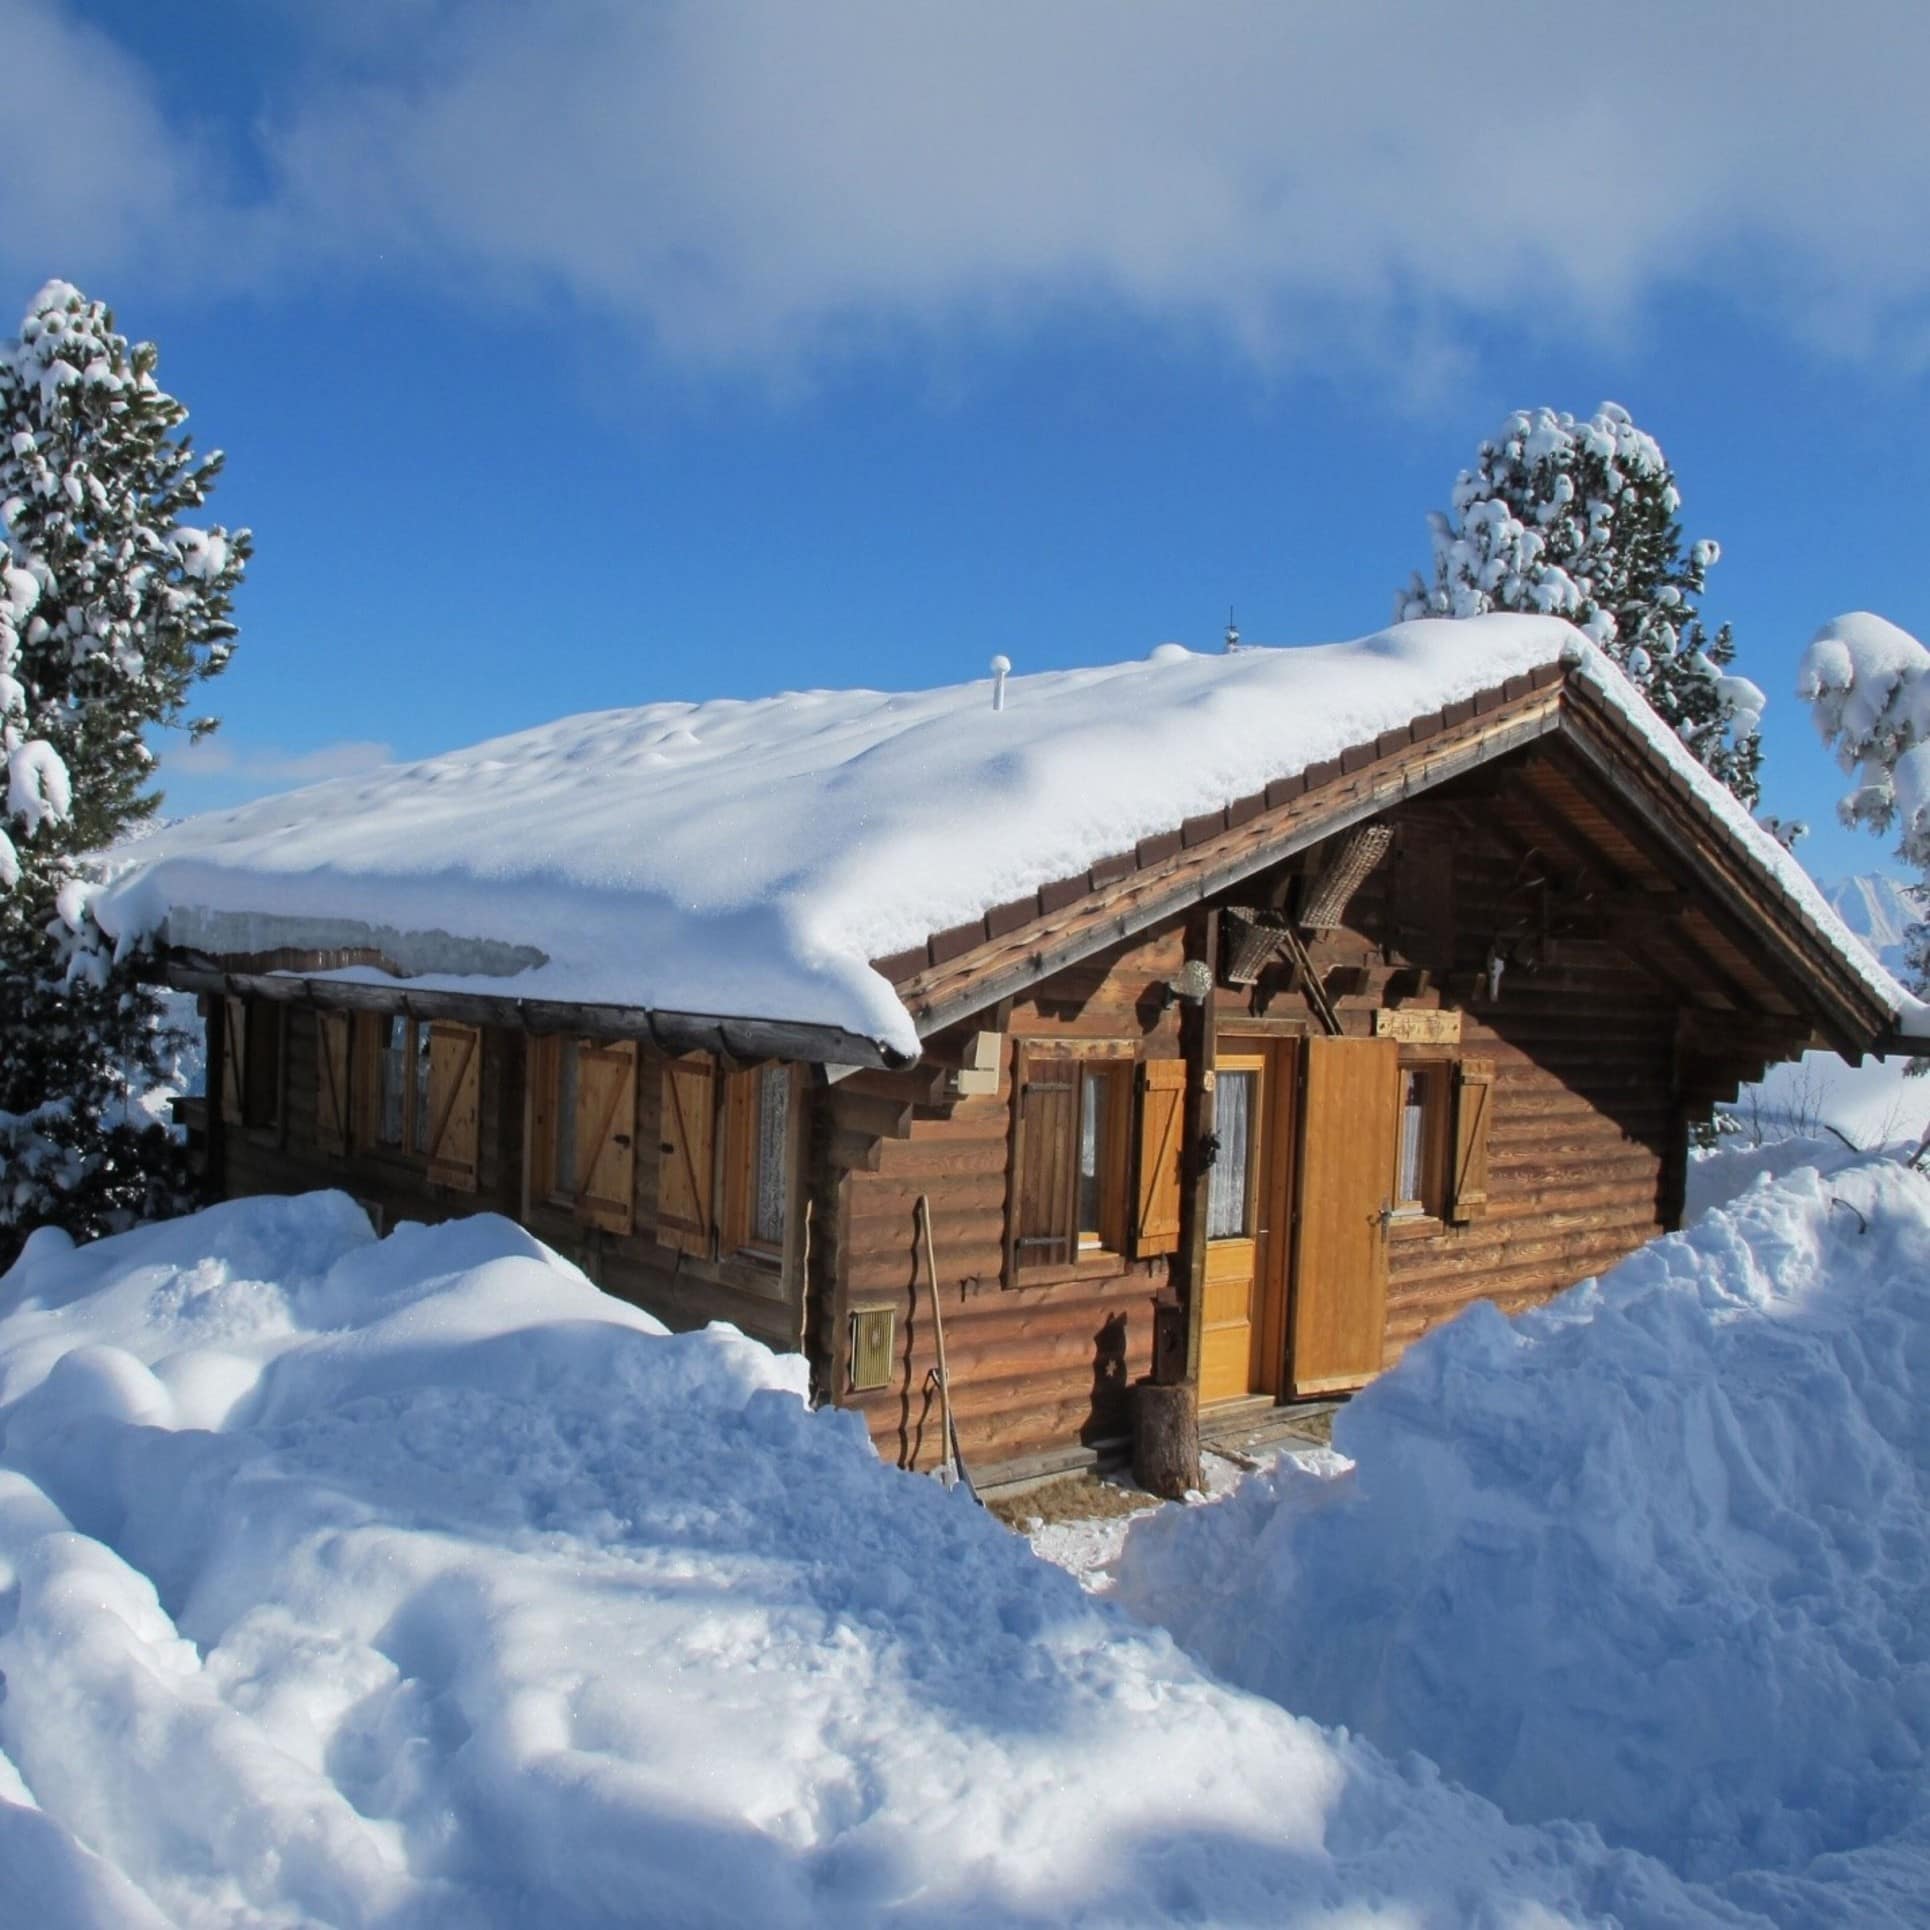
(421, 1086)
(724, 1145)
(757, 1173)
(1229, 1210)
(1420, 1185)
(584, 1118)
(251, 1063)
(727, 1142)
(402, 1084)
(1441, 1158)
(1102, 1092)
(1071, 1154)
(334, 1081)
(773, 1163)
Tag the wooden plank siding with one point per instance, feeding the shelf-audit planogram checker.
(1587, 1124)
(1035, 1369)
(290, 1158)
(682, 1290)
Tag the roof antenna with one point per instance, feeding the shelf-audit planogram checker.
(1232, 643)
(1001, 669)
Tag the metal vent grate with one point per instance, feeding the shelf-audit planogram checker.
(872, 1330)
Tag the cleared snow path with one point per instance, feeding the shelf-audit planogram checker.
(417, 1583)
(1657, 1555)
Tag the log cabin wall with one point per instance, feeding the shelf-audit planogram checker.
(1039, 1373)
(682, 1289)
(287, 1155)
(1586, 1148)
(1588, 1135)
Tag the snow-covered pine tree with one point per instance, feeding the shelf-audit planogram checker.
(1578, 519)
(1868, 686)
(111, 609)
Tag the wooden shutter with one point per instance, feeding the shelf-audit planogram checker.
(1473, 1108)
(740, 1156)
(687, 1154)
(1044, 1189)
(234, 1060)
(332, 1033)
(455, 1108)
(1162, 1113)
(606, 1134)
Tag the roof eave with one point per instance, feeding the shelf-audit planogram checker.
(1846, 1010)
(742, 1039)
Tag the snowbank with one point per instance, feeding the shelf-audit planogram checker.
(748, 859)
(417, 1583)
(1657, 1555)
(1871, 1105)
(1737, 1164)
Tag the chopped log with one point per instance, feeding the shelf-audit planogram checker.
(1166, 1438)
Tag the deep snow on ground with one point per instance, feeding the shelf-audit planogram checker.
(1737, 1164)
(418, 1583)
(1656, 1555)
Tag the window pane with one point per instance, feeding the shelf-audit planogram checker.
(565, 1178)
(773, 1156)
(1095, 1119)
(392, 1059)
(1413, 1136)
(420, 1044)
(1228, 1201)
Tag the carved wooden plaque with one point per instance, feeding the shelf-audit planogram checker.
(1414, 1026)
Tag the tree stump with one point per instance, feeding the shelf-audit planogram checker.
(1166, 1438)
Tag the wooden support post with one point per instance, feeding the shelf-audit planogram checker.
(1202, 941)
(1166, 1435)
(214, 1033)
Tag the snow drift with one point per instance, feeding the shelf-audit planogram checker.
(1656, 1555)
(415, 1582)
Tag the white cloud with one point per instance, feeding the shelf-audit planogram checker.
(756, 181)
(98, 176)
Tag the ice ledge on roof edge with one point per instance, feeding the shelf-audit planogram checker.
(405, 954)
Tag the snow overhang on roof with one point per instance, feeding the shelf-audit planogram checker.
(749, 860)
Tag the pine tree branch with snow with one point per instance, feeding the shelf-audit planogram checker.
(1561, 517)
(1867, 683)
(112, 607)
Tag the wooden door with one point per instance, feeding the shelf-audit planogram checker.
(1241, 1317)
(1230, 1314)
(1350, 1113)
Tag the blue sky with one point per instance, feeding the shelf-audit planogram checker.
(594, 353)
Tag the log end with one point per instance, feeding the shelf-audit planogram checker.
(1166, 1438)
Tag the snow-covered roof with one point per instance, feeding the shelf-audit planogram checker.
(751, 858)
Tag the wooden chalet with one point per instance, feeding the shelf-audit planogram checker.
(1239, 1110)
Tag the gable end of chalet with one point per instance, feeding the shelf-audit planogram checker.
(1672, 862)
